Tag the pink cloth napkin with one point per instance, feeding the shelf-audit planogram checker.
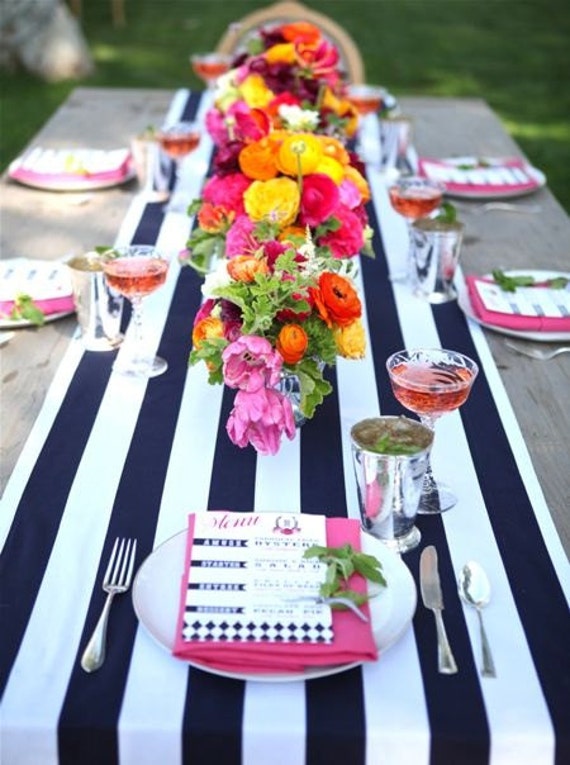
(434, 168)
(512, 321)
(48, 307)
(353, 639)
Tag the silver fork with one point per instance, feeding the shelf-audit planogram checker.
(117, 580)
(542, 354)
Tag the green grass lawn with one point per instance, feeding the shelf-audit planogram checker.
(513, 53)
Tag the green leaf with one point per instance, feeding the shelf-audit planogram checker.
(447, 213)
(25, 309)
(341, 563)
(510, 283)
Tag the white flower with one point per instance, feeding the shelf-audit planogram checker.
(295, 118)
(216, 279)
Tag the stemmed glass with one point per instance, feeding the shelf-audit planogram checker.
(136, 271)
(178, 141)
(367, 100)
(414, 197)
(209, 66)
(431, 382)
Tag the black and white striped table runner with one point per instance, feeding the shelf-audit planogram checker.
(109, 457)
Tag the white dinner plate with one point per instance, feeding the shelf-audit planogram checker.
(156, 595)
(19, 323)
(484, 193)
(81, 183)
(542, 337)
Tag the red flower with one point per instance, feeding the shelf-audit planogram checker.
(319, 199)
(347, 240)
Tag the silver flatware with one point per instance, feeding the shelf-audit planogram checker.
(475, 590)
(116, 581)
(541, 354)
(433, 599)
(485, 207)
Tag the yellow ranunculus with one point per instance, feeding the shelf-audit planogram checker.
(282, 53)
(352, 174)
(351, 340)
(255, 92)
(275, 200)
(332, 168)
(299, 150)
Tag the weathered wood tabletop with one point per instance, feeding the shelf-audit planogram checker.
(40, 224)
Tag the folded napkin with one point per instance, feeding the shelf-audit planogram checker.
(527, 314)
(352, 642)
(465, 175)
(46, 282)
(71, 165)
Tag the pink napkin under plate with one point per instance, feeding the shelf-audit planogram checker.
(47, 283)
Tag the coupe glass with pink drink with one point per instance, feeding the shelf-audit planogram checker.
(178, 141)
(431, 382)
(414, 197)
(209, 66)
(136, 271)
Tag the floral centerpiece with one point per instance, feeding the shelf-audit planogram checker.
(287, 69)
(283, 214)
(277, 311)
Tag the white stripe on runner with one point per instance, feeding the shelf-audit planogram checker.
(514, 699)
(386, 719)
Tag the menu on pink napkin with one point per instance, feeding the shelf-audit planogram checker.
(472, 176)
(46, 282)
(246, 594)
(52, 165)
(527, 309)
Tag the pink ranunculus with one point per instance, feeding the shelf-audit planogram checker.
(205, 310)
(216, 126)
(349, 194)
(260, 419)
(226, 190)
(250, 363)
(240, 239)
(319, 198)
(347, 240)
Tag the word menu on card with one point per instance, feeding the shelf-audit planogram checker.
(247, 580)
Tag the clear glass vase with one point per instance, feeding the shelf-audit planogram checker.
(290, 387)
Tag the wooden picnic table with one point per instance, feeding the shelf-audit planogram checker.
(40, 224)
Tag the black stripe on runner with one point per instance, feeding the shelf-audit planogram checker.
(336, 719)
(446, 712)
(36, 523)
(89, 717)
(322, 471)
(531, 572)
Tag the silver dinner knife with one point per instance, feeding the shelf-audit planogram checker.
(432, 598)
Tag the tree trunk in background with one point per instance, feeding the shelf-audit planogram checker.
(43, 37)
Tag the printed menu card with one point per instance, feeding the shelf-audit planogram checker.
(533, 308)
(249, 597)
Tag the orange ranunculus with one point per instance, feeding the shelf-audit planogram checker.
(299, 152)
(300, 31)
(332, 168)
(336, 300)
(292, 343)
(243, 268)
(258, 160)
(334, 148)
(343, 108)
(282, 53)
(205, 329)
(275, 200)
(352, 174)
(293, 235)
(255, 92)
(215, 219)
(351, 340)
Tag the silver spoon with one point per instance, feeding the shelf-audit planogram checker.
(475, 589)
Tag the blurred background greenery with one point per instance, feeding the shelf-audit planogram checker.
(513, 53)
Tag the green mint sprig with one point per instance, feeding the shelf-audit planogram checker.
(510, 283)
(342, 562)
(26, 310)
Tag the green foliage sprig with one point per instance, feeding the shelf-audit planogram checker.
(342, 562)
